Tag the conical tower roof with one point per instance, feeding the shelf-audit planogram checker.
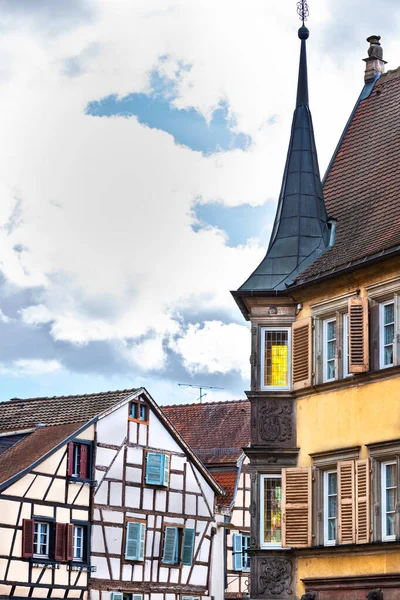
(301, 232)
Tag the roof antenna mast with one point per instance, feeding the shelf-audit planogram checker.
(200, 388)
(302, 10)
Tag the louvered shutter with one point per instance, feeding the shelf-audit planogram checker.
(134, 542)
(396, 341)
(302, 353)
(363, 523)
(358, 335)
(69, 552)
(346, 493)
(187, 547)
(296, 507)
(137, 596)
(170, 550)
(155, 468)
(70, 459)
(27, 538)
(84, 463)
(166, 470)
(237, 552)
(117, 596)
(59, 543)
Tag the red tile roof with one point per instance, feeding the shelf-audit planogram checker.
(227, 480)
(362, 188)
(18, 414)
(217, 431)
(32, 447)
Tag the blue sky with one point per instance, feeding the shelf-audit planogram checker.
(142, 153)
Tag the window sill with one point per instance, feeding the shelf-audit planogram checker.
(84, 480)
(44, 563)
(78, 566)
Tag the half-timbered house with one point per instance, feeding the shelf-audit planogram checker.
(218, 432)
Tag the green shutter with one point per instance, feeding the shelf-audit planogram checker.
(188, 544)
(134, 543)
(170, 550)
(166, 470)
(137, 596)
(237, 552)
(117, 596)
(155, 468)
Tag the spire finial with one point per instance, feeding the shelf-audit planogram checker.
(302, 10)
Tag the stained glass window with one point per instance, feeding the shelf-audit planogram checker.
(276, 358)
(272, 526)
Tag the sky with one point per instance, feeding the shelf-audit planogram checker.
(141, 154)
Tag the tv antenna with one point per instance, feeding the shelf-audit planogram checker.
(200, 388)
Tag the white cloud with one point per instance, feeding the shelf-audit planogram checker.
(31, 367)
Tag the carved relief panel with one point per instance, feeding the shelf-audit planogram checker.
(273, 422)
(273, 576)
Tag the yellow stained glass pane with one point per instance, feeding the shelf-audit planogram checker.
(279, 366)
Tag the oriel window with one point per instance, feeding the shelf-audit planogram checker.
(271, 510)
(275, 358)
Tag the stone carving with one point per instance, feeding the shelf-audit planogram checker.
(272, 459)
(309, 596)
(275, 577)
(275, 421)
(375, 594)
(253, 543)
(272, 310)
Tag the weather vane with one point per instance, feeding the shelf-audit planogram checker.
(302, 10)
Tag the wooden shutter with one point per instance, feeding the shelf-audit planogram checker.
(142, 540)
(132, 541)
(155, 468)
(237, 552)
(70, 459)
(59, 544)
(346, 493)
(137, 596)
(166, 470)
(84, 462)
(27, 538)
(187, 546)
(363, 514)
(396, 341)
(69, 546)
(374, 336)
(296, 507)
(302, 353)
(170, 549)
(117, 596)
(358, 335)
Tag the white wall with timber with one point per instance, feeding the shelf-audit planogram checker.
(154, 528)
(238, 537)
(35, 562)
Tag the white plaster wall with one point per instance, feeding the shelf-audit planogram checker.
(112, 429)
(159, 437)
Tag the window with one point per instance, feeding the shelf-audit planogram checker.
(386, 334)
(240, 546)
(329, 349)
(389, 500)
(79, 460)
(138, 411)
(271, 500)
(78, 541)
(135, 537)
(275, 358)
(157, 468)
(41, 537)
(178, 545)
(330, 508)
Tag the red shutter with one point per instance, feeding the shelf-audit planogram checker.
(59, 546)
(70, 458)
(27, 538)
(70, 542)
(83, 469)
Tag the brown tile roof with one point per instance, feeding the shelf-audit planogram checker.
(227, 480)
(32, 447)
(20, 414)
(217, 431)
(362, 188)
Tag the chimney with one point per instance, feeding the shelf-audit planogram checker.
(374, 64)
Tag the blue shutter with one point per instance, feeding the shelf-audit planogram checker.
(188, 544)
(134, 543)
(166, 470)
(237, 552)
(155, 468)
(170, 550)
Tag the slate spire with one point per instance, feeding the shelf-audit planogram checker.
(300, 233)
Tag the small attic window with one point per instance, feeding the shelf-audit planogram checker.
(138, 411)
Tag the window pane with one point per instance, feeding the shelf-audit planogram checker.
(332, 529)
(389, 524)
(388, 313)
(388, 334)
(331, 330)
(276, 359)
(272, 509)
(332, 483)
(390, 475)
(390, 499)
(142, 412)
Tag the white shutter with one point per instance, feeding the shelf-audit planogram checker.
(237, 552)
(155, 468)
(117, 596)
(137, 596)
(166, 470)
(170, 550)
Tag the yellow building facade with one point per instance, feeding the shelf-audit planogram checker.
(324, 307)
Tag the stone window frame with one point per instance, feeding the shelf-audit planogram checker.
(261, 476)
(322, 462)
(379, 453)
(261, 345)
(378, 294)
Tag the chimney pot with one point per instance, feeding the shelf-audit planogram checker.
(374, 64)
